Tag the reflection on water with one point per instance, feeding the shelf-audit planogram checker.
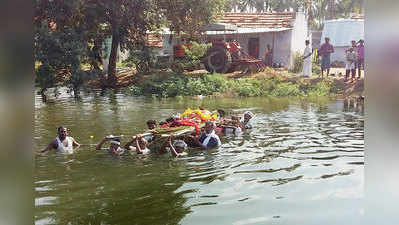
(302, 159)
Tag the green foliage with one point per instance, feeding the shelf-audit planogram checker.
(287, 89)
(175, 84)
(142, 59)
(189, 16)
(249, 87)
(45, 76)
(298, 63)
(57, 51)
(196, 51)
(316, 69)
(323, 88)
(135, 90)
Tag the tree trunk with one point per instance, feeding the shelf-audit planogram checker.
(330, 10)
(114, 53)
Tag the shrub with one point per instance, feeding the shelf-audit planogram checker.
(135, 90)
(323, 88)
(298, 63)
(316, 69)
(175, 84)
(287, 89)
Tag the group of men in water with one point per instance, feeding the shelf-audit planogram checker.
(176, 146)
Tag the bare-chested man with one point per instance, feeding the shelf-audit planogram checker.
(63, 143)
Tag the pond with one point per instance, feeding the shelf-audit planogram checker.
(302, 163)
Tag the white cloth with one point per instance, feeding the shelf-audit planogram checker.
(115, 142)
(209, 136)
(144, 151)
(307, 63)
(249, 113)
(247, 125)
(68, 149)
(179, 143)
(229, 130)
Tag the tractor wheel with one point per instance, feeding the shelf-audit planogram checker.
(218, 59)
(142, 67)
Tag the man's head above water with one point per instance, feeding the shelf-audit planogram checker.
(62, 132)
(114, 145)
(209, 127)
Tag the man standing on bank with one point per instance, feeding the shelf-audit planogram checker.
(63, 143)
(307, 61)
(325, 51)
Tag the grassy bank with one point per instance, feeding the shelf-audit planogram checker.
(170, 84)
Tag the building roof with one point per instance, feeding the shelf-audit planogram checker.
(342, 31)
(219, 27)
(154, 41)
(357, 16)
(269, 20)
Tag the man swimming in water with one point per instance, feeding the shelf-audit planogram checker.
(63, 143)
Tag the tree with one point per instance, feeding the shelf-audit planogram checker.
(59, 44)
(127, 22)
(188, 16)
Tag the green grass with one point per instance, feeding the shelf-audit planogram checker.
(174, 84)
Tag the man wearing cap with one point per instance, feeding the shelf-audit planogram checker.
(247, 117)
(138, 144)
(325, 51)
(114, 147)
(175, 148)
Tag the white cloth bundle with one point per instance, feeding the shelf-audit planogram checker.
(208, 138)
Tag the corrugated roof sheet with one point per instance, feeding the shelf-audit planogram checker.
(270, 20)
(248, 30)
(154, 41)
(341, 32)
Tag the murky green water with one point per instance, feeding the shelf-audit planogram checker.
(303, 163)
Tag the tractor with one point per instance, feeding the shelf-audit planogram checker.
(223, 56)
(227, 57)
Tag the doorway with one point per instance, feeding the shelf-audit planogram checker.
(253, 47)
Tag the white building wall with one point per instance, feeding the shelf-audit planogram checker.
(300, 34)
(339, 54)
(282, 48)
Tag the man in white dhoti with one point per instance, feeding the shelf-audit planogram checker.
(307, 61)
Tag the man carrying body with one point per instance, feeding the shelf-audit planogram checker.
(114, 147)
(63, 143)
(325, 51)
(208, 139)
